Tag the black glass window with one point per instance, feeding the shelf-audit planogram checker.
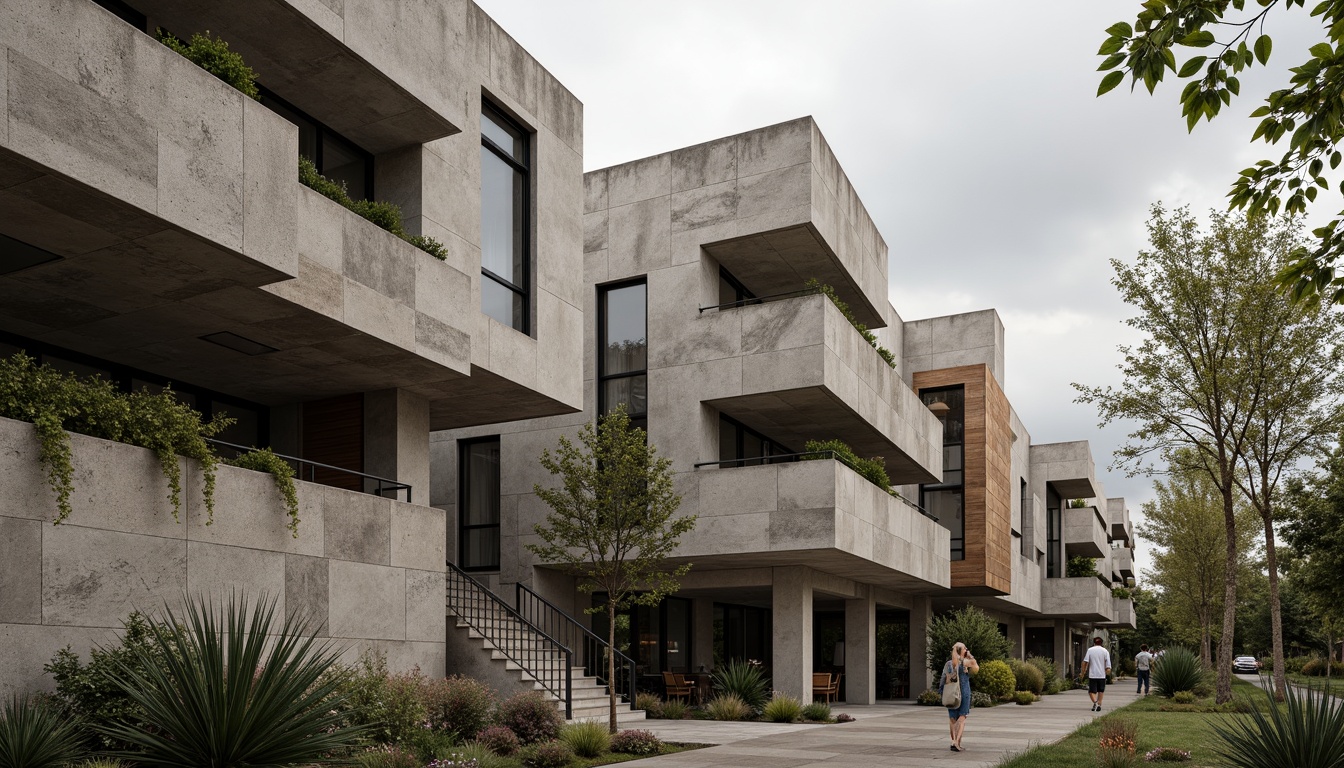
(504, 219)
(737, 441)
(946, 500)
(335, 157)
(660, 634)
(623, 357)
(478, 518)
(731, 290)
(1026, 517)
(1054, 544)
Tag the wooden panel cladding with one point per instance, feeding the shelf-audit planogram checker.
(988, 489)
(333, 433)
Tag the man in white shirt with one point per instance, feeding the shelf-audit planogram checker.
(1096, 665)
(1143, 664)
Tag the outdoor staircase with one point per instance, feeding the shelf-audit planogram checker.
(523, 652)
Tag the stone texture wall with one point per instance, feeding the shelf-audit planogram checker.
(369, 570)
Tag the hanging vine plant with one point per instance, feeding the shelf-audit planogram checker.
(265, 460)
(57, 403)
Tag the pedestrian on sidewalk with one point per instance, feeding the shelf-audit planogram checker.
(956, 678)
(1143, 665)
(1096, 665)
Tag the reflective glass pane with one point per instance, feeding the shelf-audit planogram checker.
(677, 644)
(481, 548)
(502, 303)
(727, 440)
(481, 502)
(246, 429)
(344, 164)
(504, 136)
(752, 447)
(624, 338)
(502, 204)
(630, 390)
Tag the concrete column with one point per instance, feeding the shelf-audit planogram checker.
(861, 650)
(792, 602)
(702, 633)
(1062, 655)
(396, 439)
(921, 612)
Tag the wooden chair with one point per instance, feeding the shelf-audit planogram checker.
(676, 687)
(824, 684)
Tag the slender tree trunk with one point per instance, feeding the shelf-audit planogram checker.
(1275, 608)
(1224, 687)
(611, 664)
(1205, 642)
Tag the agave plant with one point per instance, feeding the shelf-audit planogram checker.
(35, 734)
(1307, 731)
(227, 687)
(744, 680)
(1179, 670)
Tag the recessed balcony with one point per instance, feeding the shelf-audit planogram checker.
(1123, 559)
(1122, 614)
(1068, 467)
(1085, 533)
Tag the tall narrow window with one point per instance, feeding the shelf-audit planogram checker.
(1054, 545)
(947, 500)
(623, 355)
(1027, 521)
(478, 512)
(504, 219)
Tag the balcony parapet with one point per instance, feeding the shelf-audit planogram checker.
(1081, 598)
(1085, 532)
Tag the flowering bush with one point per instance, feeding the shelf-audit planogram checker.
(499, 739)
(1166, 755)
(551, 754)
(930, 698)
(636, 742)
(454, 761)
(843, 718)
(388, 756)
(980, 699)
(460, 705)
(532, 717)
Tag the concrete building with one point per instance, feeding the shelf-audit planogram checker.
(698, 322)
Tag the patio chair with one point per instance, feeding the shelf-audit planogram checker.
(825, 684)
(676, 687)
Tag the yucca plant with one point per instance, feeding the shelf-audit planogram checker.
(744, 680)
(1306, 731)
(782, 709)
(35, 734)
(587, 739)
(228, 687)
(1179, 670)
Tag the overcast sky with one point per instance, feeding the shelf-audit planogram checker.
(969, 129)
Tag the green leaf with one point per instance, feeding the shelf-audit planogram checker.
(1200, 39)
(1109, 82)
(1111, 62)
(1192, 66)
(1112, 45)
(1120, 29)
(1322, 50)
(1263, 45)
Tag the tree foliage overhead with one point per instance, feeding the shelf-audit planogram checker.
(1315, 531)
(1223, 38)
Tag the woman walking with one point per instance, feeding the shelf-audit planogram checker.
(956, 676)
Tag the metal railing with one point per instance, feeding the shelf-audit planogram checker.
(569, 631)
(763, 299)
(789, 458)
(307, 470)
(547, 660)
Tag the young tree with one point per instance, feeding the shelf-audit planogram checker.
(1184, 383)
(611, 521)
(1315, 531)
(1306, 111)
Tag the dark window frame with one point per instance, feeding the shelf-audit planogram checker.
(463, 490)
(602, 376)
(957, 543)
(324, 134)
(770, 446)
(1022, 534)
(1054, 542)
(523, 167)
(742, 294)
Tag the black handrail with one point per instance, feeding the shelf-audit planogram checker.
(521, 641)
(545, 614)
(763, 299)
(790, 458)
(380, 483)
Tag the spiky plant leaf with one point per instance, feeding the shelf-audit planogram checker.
(1306, 731)
(35, 734)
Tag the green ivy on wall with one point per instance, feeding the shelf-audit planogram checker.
(385, 215)
(873, 470)
(264, 460)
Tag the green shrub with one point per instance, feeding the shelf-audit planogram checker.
(995, 678)
(1079, 566)
(744, 680)
(532, 716)
(228, 686)
(499, 739)
(54, 401)
(587, 739)
(89, 692)
(213, 55)
(1166, 755)
(972, 626)
(1179, 670)
(34, 733)
(674, 709)
(1047, 666)
(459, 705)
(386, 707)
(650, 703)
(1184, 697)
(550, 754)
(817, 712)
(1053, 687)
(388, 756)
(1121, 593)
(873, 470)
(815, 285)
(930, 698)
(430, 744)
(1294, 664)
(483, 757)
(981, 699)
(385, 215)
(1317, 667)
(1024, 697)
(728, 706)
(1306, 732)
(636, 742)
(782, 709)
(1027, 676)
(265, 460)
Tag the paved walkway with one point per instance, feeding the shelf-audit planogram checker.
(883, 735)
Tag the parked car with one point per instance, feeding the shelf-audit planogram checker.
(1245, 665)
